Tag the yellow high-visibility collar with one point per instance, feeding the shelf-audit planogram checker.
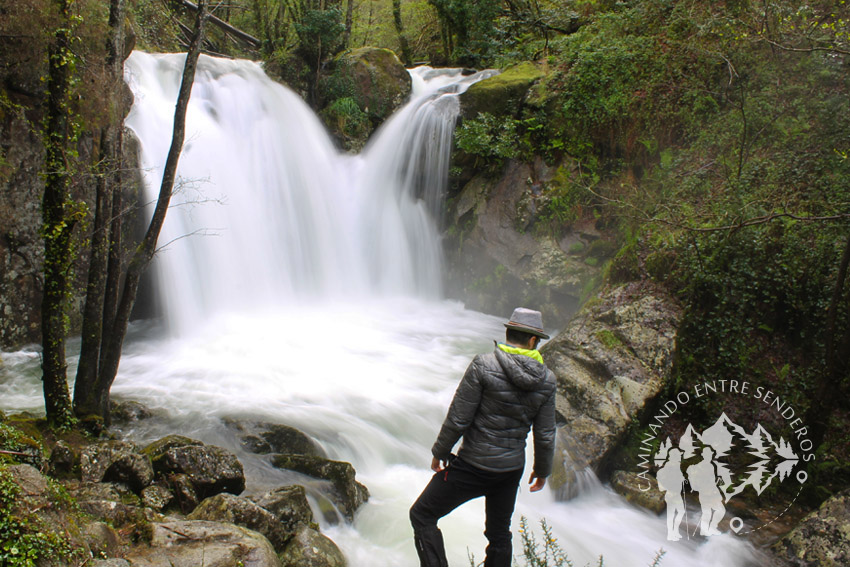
(523, 351)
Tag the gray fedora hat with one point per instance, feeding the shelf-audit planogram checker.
(527, 321)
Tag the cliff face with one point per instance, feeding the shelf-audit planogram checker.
(21, 252)
(24, 38)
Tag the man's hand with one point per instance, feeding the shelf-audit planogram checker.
(537, 482)
(437, 465)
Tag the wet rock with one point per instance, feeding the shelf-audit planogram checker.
(116, 461)
(822, 538)
(497, 258)
(348, 494)
(639, 491)
(614, 356)
(158, 448)
(289, 505)
(310, 548)
(129, 412)
(264, 438)
(246, 513)
(211, 470)
(211, 544)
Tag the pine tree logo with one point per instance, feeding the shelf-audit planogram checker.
(701, 461)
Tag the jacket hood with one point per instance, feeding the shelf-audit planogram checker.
(523, 371)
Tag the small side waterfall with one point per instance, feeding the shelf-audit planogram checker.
(266, 210)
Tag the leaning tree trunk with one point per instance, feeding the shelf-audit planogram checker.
(58, 223)
(86, 400)
(145, 251)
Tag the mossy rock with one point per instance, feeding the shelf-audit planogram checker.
(159, 447)
(349, 494)
(501, 95)
(374, 78)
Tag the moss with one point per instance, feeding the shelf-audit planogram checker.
(500, 95)
(608, 339)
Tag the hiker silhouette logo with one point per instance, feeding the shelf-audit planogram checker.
(706, 470)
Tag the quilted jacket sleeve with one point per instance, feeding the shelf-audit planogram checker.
(461, 412)
(543, 429)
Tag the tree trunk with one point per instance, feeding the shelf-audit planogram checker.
(399, 28)
(86, 400)
(826, 396)
(58, 224)
(145, 251)
(349, 17)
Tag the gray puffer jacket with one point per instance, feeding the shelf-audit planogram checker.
(501, 397)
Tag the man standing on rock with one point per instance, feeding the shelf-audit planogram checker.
(501, 396)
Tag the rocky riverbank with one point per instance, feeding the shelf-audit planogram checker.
(174, 502)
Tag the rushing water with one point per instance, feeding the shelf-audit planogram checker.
(301, 286)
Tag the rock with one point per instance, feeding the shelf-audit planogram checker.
(309, 548)
(246, 513)
(614, 356)
(116, 461)
(822, 538)
(640, 492)
(348, 494)
(502, 94)
(211, 544)
(158, 497)
(110, 502)
(289, 505)
(101, 539)
(211, 469)
(129, 412)
(114, 562)
(184, 492)
(62, 460)
(264, 438)
(40, 505)
(497, 259)
(158, 448)
(365, 87)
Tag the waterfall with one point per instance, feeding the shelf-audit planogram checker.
(266, 211)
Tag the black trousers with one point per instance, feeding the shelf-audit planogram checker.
(448, 489)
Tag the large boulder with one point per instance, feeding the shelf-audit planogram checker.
(211, 544)
(502, 94)
(499, 253)
(243, 512)
(364, 88)
(116, 461)
(309, 548)
(211, 470)
(822, 538)
(614, 357)
(347, 493)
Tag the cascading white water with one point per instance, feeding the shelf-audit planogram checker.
(266, 210)
(317, 305)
